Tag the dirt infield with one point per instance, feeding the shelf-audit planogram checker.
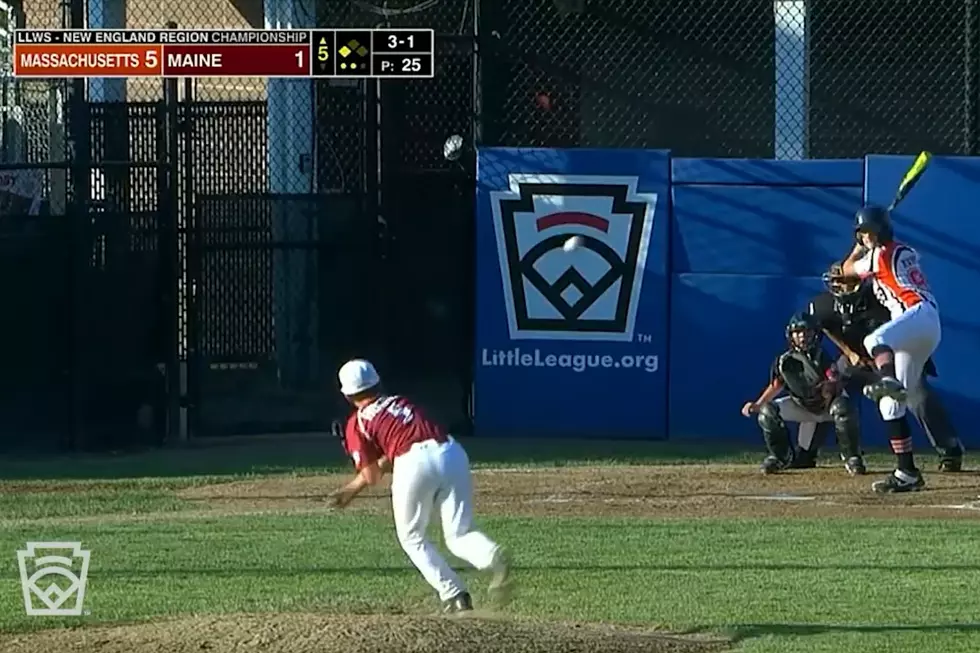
(306, 633)
(679, 491)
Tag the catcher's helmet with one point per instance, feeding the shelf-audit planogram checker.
(802, 322)
(874, 220)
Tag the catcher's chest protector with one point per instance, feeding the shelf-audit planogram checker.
(801, 374)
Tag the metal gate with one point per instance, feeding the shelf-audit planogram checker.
(85, 281)
(264, 281)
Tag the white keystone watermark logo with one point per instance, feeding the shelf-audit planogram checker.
(50, 581)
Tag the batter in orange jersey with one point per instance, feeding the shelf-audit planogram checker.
(901, 346)
(897, 277)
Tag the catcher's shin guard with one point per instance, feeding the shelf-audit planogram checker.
(847, 426)
(775, 433)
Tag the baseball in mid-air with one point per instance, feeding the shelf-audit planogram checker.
(452, 149)
(573, 243)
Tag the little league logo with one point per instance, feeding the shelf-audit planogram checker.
(50, 584)
(590, 293)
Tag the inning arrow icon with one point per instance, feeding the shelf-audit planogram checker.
(323, 54)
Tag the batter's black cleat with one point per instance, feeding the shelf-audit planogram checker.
(886, 386)
(951, 465)
(459, 603)
(899, 481)
(855, 466)
(773, 465)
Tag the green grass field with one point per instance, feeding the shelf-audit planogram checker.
(800, 585)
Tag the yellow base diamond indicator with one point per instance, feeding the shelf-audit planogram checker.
(354, 51)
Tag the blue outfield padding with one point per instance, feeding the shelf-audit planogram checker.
(939, 219)
(571, 343)
(761, 229)
(715, 254)
(767, 172)
(726, 329)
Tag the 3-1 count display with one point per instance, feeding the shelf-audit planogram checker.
(403, 40)
(373, 53)
(223, 53)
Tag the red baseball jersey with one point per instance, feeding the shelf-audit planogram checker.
(388, 427)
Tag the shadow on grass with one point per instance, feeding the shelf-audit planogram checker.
(309, 453)
(317, 452)
(388, 570)
(751, 631)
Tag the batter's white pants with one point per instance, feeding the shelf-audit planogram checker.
(913, 336)
(437, 475)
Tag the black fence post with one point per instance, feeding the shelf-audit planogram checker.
(170, 256)
(77, 210)
(971, 77)
(192, 265)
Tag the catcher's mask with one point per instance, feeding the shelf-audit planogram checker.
(801, 333)
(838, 285)
(848, 292)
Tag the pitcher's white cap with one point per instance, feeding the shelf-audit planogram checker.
(357, 376)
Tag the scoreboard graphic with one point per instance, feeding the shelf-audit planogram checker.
(387, 53)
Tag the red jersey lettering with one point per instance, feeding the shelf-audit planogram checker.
(388, 427)
(898, 280)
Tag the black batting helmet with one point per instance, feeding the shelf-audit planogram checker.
(874, 220)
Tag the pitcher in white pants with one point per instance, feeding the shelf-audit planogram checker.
(429, 470)
(436, 476)
(901, 346)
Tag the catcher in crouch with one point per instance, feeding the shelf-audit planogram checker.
(814, 393)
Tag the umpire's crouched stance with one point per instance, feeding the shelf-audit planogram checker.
(815, 393)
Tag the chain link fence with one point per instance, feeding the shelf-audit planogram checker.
(383, 141)
(243, 205)
(31, 111)
(787, 79)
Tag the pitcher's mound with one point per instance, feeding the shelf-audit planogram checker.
(305, 633)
